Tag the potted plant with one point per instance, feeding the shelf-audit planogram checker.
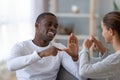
(116, 7)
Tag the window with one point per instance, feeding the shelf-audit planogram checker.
(16, 23)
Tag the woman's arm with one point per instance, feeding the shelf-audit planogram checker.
(101, 69)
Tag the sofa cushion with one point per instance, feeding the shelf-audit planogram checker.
(65, 75)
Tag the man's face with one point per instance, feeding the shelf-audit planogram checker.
(47, 28)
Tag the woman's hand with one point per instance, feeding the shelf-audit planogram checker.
(87, 43)
(98, 45)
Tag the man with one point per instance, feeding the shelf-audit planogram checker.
(40, 59)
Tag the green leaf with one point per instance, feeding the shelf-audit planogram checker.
(115, 6)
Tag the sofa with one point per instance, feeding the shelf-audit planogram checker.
(5, 74)
(65, 75)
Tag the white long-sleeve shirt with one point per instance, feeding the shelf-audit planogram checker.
(28, 65)
(108, 68)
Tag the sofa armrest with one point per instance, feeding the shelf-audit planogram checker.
(65, 75)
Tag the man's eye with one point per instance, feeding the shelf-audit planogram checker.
(56, 26)
(49, 25)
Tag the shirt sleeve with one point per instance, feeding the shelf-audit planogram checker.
(68, 63)
(102, 69)
(100, 57)
(108, 52)
(18, 61)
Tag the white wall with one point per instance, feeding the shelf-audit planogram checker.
(17, 22)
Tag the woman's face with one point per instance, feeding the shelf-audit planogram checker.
(106, 33)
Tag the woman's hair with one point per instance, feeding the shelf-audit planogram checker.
(112, 20)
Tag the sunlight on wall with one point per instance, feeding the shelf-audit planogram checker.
(10, 34)
(15, 24)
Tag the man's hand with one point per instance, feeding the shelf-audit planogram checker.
(51, 51)
(73, 47)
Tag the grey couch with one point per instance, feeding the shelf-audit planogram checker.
(65, 75)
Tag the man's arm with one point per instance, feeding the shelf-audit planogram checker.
(69, 64)
(63, 74)
(18, 61)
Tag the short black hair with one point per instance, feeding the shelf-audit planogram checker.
(42, 15)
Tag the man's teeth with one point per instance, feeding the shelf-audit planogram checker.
(51, 33)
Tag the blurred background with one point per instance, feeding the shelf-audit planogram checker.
(17, 19)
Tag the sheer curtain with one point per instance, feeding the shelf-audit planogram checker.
(17, 19)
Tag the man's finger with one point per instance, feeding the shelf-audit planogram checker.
(65, 49)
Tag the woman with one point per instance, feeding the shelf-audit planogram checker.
(109, 67)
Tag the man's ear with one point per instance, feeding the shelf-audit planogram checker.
(36, 24)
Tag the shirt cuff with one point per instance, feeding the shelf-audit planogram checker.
(76, 62)
(83, 51)
(35, 56)
(105, 54)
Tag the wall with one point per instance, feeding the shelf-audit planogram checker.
(81, 25)
(106, 6)
(77, 23)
